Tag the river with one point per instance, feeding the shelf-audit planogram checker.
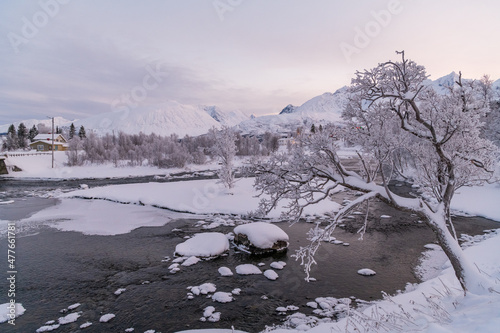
(57, 269)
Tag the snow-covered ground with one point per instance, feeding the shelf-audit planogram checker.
(40, 166)
(197, 196)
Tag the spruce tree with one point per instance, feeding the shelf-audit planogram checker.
(32, 133)
(22, 136)
(72, 131)
(81, 132)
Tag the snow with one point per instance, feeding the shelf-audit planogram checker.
(119, 291)
(98, 217)
(196, 196)
(454, 311)
(247, 269)
(73, 306)
(262, 235)
(47, 328)
(366, 272)
(478, 200)
(210, 315)
(206, 244)
(225, 271)
(107, 317)
(40, 166)
(270, 274)
(203, 289)
(5, 311)
(222, 297)
(86, 324)
(278, 264)
(212, 330)
(70, 318)
(191, 261)
(165, 119)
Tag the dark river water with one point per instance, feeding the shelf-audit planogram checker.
(57, 269)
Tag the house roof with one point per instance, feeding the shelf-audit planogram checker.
(48, 136)
(49, 142)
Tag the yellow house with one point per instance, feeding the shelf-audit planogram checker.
(43, 142)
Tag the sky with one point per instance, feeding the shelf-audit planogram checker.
(75, 58)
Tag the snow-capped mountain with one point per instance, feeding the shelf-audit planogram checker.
(169, 118)
(227, 118)
(58, 121)
(323, 109)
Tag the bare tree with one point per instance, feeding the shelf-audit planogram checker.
(224, 149)
(395, 108)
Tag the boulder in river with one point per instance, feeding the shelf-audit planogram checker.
(260, 237)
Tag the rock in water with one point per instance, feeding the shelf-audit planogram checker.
(261, 237)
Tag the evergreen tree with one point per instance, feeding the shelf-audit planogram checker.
(32, 133)
(313, 128)
(12, 129)
(81, 132)
(22, 136)
(72, 131)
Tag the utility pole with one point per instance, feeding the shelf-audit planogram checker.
(52, 140)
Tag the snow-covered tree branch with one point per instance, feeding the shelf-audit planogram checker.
(393, 111)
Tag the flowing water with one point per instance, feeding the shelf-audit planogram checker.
(57, 269)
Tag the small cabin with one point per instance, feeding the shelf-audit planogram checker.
(43, 142)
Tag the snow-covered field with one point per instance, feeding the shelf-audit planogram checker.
(434, 306)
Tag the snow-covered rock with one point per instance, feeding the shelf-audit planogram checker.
(5, 311)
(71, 318)
(107, 317)
(271, 275)
(191, 261)
(278, 264)
(206, 244)
(225, 271)
(366, 272)
(247, 269)
(222, 297)
(203, 289)
(261, 237)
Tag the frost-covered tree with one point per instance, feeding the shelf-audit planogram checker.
(11, 142)
(393, 108)
(224, 149)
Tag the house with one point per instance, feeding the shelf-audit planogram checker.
(43, 142)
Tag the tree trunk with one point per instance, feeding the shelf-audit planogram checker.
(469, 276)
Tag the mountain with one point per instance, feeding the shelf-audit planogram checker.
(227, 118)
(288, 109)
(58, 121)
(323, 109)
(168, 118)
